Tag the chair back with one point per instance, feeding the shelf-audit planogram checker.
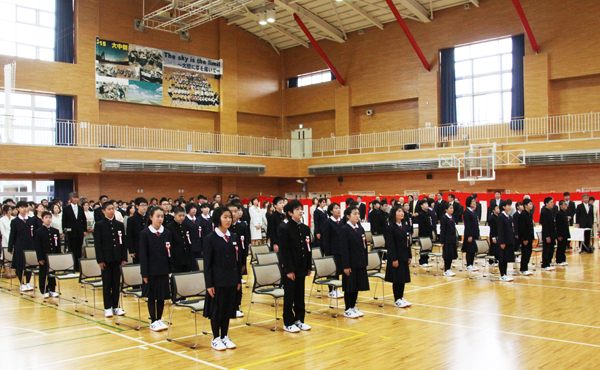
(266, 275)
(317, 253)
(129, 259)
(61, 262)
(90, 252)
(378, 241)
(89, 242)
(256, 249)
(482, 246)
(540, 239)
(31, 260)
(89, 269)
(267, 258)
(188, 284)
(8, 257)
(131, 276)
(426, 244)
(200, 262)
(325, 268)
(415, 233)
(369, 236)
(374, 261)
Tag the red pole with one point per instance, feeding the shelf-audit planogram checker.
(409, 35)
(318, 48)
(525, 23)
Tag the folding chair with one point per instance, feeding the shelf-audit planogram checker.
(200, 262)
(483, 252)
(90, 252)
(317, 253)
(425, 248)
(267, 258)
(129, 259)
(90, 276)
(131, 284)
(256, 249)
(325, 275)
(369, 237)
(188, 285)
(7, 261)
(61, 267)
(374, 271)
(267, 279)
(537, 250)
(31, 265)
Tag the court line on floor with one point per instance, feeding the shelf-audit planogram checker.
(163, 349)
(558, 287)
(50, 343)
(210, 332)
(41, 336)
(31, 330)
(44, 364)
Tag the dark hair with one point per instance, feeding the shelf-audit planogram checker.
(566, 193)
(73, 194)
(277, 200)
(200, 196)
(22, 203)
(204, 205)
(498, 191)
(448, 205)
(163, 199)
(353, 203)
(153, 210)
(347, 213)
(153, 199)
(526, 202)
(214, 196)
(440, 194)
(330, 208)
(518, 204)
(559, 203)
(106, 204)
(6, 208)
(506, 202)
(178, 209)
(374, 202)
(103, 196)
(252, 200)
(128, 210)
(474, 196)
(234, 204)
(140, 200)
(451, 196)
(392, 218)
(321, 200)
(592, 198)
(358, 196)
(547, 200)
(46, 213)
(291, 207)
(189, 206)
(217, 213)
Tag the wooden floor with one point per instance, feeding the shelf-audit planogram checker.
(550, 320)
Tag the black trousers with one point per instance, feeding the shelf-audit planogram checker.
(470, 258)
(525, 256)
(23, 279)
(111, 279)
(560, 251)
(350, 299)
(293, 300)
(503, 267)
(547, 253)
(136, 259)
(398, 291)
(76, 247)
(586, 236)
(42, 280)
(447, 265)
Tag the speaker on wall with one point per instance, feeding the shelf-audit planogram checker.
(341, 179)
(429, 176)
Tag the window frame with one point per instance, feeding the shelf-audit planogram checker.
(37, 25)
(35, 122)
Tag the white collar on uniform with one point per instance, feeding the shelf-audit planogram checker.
(506, 214)
(353, 226)
(190, 217)
(336, 219)
(448, 215)
(207, 217)
(399, 224)
(24, 219)
(220, 233)
(154, 231)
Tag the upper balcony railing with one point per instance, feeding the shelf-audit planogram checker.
(35, 131)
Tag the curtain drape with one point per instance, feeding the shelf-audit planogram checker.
(518, 90)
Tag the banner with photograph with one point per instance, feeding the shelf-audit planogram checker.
(143, 75)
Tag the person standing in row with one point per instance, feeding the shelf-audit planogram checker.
(493, 224)
(398, 253)
(330, 239)
(46, 240)
(181, 237)
(276, 219)
(240, 228)
(423, 219)
(73, 219)
(448, 239)
(548, 234)
(166, 207)
(378, 219)
(563, 234)
(526, 236)
(19, 241)
(193, 224)
(471, 233)
(205, 220)
(584, 218)
(506, 240)
(135, 225)
(255, 222)
(319, 216)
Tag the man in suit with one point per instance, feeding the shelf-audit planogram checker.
(548, 233)
(414, 204)
(494, 202)
(362, 209)
(439, 206)
(524, 229)
(135, 225)
(73, 218)
(563, 233)
(458, 208)
(584, 216)
(570, 207)
(98, 214)
(478, 206)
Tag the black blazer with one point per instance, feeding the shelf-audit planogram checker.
(294, 254)
(525, 227)
(506, 233)
(180, 242)
(571, 211)
(434, 219)
(353, 247)
(493, 224)
(396, 242)
(412, 204)
(548, 226)
(168, 218)
(471, 225)
(439, 209)
(458, 212)
(516, 216)
(98, 215)
(77, 225)
(37, 223)
(153, 255)
(206, 225)
(242, 230)
(362, 209)
(424, 222)
(319, 217)
(478, 210)
(447, 231)
(21, 235)
(583, 218)
(46, 240)
(109, 241)
(195, 234)
(562, 225)
(220, 266)
(135, 225)
(330, 237)
(378, 222)
(493, 203)
(275, 219)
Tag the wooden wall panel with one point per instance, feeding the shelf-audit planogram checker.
(309, 99)
(536, 85)
(575, 95)
(322, 123)
(343, 111)
(392, 116)
(257, 125)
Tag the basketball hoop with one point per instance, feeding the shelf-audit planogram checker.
(472, 180)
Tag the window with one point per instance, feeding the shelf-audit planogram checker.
(311, 78)
(27, 28)
(33, 119)
(27, 190)
(484, 82)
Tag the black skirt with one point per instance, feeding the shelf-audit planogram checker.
(223, 305)
(494, 250)
(449, 252)
(157, 288)
(358, 281)
(469, 247)
(18, 262)
(505, 255)
(398, 275)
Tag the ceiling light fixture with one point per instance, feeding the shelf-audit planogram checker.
(271, 15)
(262, 19)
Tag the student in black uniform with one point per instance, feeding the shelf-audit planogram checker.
(193, 224)
(563, 234)
(295, 257)
(433, 215)
(493, 224)
(548, 233)
(46, 240)
(362, 208)
(223, 277)
(180, 242)
(458, 208)
(19, 241)
(135, 225)
(166, 207)
(73, 218)
(398, 253)
(330, 242)
(241, 229)
(37, 216)
(156, 262)
(111, 252)
(506, 240)
(471, 233)
(353, 248)
(98, 215)
(319, 217)
(273, 223)
(448, 239)
(526, 236)
(518, 210)
(205, 221)
(378, 219)
(408, 218)
(423, 219)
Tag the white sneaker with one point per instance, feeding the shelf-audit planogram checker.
(30, 286)
(23, 288)
(383, 261)
(406, 303)
(449, 273)
(424, 265)
(547, 268)
(302, 326)
(47, 295)
(526, 273)
(162, 324)
(228, 343)
(472, 268)
(155, 326)
(108, 312)
(398, 302)
(292, 329)
(552, 268)
(331, 294)
(506, 278)
(562, 264)
(239, 314)
(338, 294)
(54, 294)
(356, 311)
(218, 345)
(518, 259)
(118, 312)
(349, 313)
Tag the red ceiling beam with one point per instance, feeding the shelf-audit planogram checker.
(319, 50)
(409, 35)
(525, 23)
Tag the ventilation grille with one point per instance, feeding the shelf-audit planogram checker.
(117, 165)
(540, 159)
(416, 165)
